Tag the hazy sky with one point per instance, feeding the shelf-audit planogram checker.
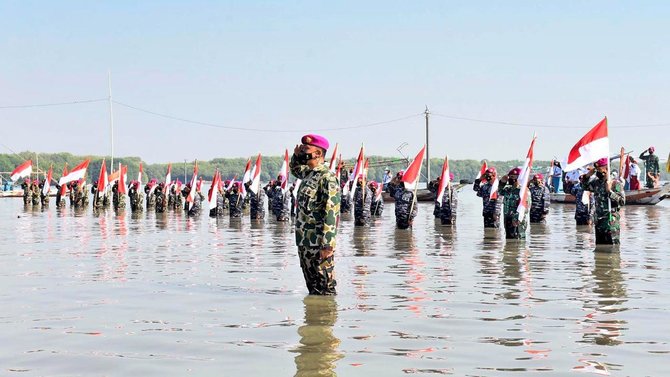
(298, 66)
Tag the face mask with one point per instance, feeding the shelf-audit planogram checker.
(303, 158)
(600, 175)
(512, 181)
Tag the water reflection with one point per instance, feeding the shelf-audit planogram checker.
(319, 347)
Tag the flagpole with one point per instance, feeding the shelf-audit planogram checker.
(111, 117)
(427, 113)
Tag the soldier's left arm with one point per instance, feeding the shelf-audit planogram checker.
(331, 211)
(617, 194)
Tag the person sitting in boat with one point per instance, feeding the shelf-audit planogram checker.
(609, 197)
(540, 199)
(651, 167)
(490, 203)
(584, 203)
(633, 175)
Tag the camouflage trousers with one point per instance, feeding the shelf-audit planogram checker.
(583, 218)
(491, 220)
(319, 273)
(537, 216)
(514, 229)
(607, 231)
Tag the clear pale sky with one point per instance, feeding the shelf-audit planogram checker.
(305, 65)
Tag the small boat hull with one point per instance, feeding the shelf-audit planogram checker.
(645, 196)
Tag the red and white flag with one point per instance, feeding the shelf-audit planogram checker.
(359, 167)
(199, 185)
(283, 173)
(333, 163)
(256, 176)
(365, 169)
(494, 189)
(214, 190)
(524, 177)
(378, 193)
(122, 179)
(231, 183)
(63, 188)
(47, 181)
(139, 176)
(482, 170)
(413, 172)
(23, 170)
(102, 180)
(626, 167)
(75, 174)
(591, 147)
(247, 172)
(444, 180)
(191, 194)
(168, 175)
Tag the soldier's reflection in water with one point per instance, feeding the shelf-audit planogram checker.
(318, 350)
(511, 267)
(361, 242)
(601, 325)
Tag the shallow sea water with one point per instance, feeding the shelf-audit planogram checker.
(148, 295)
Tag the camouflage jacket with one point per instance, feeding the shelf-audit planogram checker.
(447, 206)
(511, 200)
(650, 163)
(257, 205)
(318, 209)
(235, 199)
(616, 196)
(484, 192)
(582, 210)
(362, 205)
(539, 198)
(403, 203)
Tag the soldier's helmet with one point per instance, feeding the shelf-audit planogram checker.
(515, 171)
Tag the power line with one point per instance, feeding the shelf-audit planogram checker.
(541, 125)
(214, 125)
(53, 104)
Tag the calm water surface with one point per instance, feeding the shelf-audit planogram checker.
(171, 296)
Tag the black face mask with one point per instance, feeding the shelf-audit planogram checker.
(600, 175)
(303, 158)
(512, 181)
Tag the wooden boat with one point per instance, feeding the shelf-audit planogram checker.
(422, 195)
(645, 196)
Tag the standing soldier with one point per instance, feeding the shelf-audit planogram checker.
(511, 192)
(377, 207)
(97, 203)
(60, 201)
(362, 203)
(269, 191)
(584, 203)
(609, 196)
(115, 195)
(235, 201)
(44, 198)
(405, 206)
(149, 192)
(27, 193)
(345, 204)
(490, 206)
(136, 197)
(35, 192)
(540, 198)
(256, 203)
(448, 204)
(121, 205)
(160, 199)
(652, 170)
(317, 216)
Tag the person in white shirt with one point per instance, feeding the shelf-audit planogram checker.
(633, 174)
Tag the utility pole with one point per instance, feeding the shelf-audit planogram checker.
(427, 113)
(111, 117)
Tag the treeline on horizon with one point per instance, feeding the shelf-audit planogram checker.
(231, 167)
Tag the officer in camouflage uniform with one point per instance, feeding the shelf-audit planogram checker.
(281, 202)
(317, 215)
(651, 167)
(511, 190)
(256, 203)
(149, 189)
(608, 194)
(27, 193)
(406, 207)
(35, 192)
(44, 198)
(362, 203)
(136, 197)
(121, 204)
(178, 197)
(540, 198)
(160, 199)
(79, 197)
(377, 206)
(584, 213)
(235, 201)
(447, 206)
(490, 207)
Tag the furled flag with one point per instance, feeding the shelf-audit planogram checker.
(297, 184)
(378, 193)
(23, 170)
(524, 177)
(494, 189)
(122, 179)
(139, 176)
(214, 190)
(199, 185)
(339, 168)
(358, 172)
(444, 181)
(75, 174)
(247, 172)
(283, 173)
(591, 147)
(191, 194)
(63, 188)
(482, 170)
(333, 163)
(47, 182)
(256, 176)
(102, 180)
(168, 175)
(413, 172)
(626, 167)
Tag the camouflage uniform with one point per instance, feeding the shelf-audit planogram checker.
(362, 206)
(234, 203)
(257, 205)
(160, 199)
(35, 193)
(122, 201)
(220, 200)
(60, 201)
(540, 199)
(447, 209)
(27, 194)
(650, 166)
(316, 223)
(607, 224)
(115, 195)
(345, 204)
(282, 205)
(269, 192)
(377, 207)
(44, 198)
(196, 206)
(583, 213)
(490, 207)
(513, 227)
(404, 200)
(178, 200)
(151, 199)
(136, 198)
(78, 195)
